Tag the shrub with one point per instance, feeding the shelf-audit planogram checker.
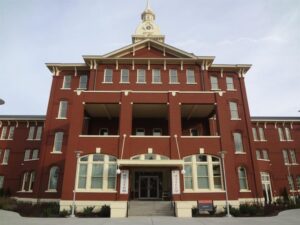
(104, 211)
(38, 210)
(8, 204)
(64, 213)
(87, 212)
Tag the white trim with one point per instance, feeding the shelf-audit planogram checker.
(204, 191)
(94, 191)
(99, 136)
(148, 136)
(245, 190)
(240, 153)
(235, 119)
(200, 137)
(61, 118)
(53, 152)
(51, 191)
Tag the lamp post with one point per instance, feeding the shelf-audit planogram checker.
(292, 184)
(77, 153)
(2, 102)
(222, 153)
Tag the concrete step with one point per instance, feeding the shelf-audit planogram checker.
(150, 208)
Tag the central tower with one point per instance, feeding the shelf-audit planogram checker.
(147, 29)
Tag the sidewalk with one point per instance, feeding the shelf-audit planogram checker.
(289, 217)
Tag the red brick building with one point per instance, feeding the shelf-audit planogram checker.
(148, 122)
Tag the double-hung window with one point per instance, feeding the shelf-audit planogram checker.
(255, 137)
(67, 82)
(285, 156)
(156, 78)
(11, 133)
(238, 142)
(229, 83)
(58, 141)
(233, 110)
(83, 82)
(3, 133)
(280, 134)
(173, 77)
(63, 107)
(108, 76)
(261, 134)
(124, 76)
(27, 154)
(190, 76)
(288, 134)
(38, 133)
(214, 83)
(31, 133)
(5, 156)
(141, 76)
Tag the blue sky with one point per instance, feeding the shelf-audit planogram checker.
(264, 33)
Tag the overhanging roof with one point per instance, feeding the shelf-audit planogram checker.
(274, 119)
(23, 117)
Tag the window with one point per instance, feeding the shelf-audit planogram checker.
(242, 178)
(261, 134)
(31, 133)
(194, 132)
(214, 83)
(280, 133)
(31, 181)
(5, 156)
(97, 172)
(27, 154)
(202, 172)
(293, 156)
(124, 76)
(141, 76)
(1, 182)
(285, 157)
(288, 134)
(190, 76)
(258, 155)
(297, 182)
(233, 110)
(39, 133)
(157, 132)
(140, 132)
(53, 178)
(83, 82)
(62, 111)
(265, 154)
(254, 134)
(58, 141)
(3, 133)
(156, 79)
(67, 82)
(25, 181)
(103, 131)
(108, 76)
(11, 133)
(173, 78)
(229, 83)
(291, 183)
(35, 154)
(238, 142)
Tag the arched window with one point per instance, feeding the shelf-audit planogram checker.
(202, 172)
(150, 156)
(97, 172)
(242, 178)
(53, 178)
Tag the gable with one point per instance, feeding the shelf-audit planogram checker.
(145, 52)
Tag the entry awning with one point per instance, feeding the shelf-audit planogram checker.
(150, 163)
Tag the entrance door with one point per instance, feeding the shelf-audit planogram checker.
(266, 185)
(149, 188)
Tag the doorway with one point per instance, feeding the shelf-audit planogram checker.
(148, 187)
(266, 186)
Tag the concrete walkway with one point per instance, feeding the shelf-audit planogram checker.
(289, 217)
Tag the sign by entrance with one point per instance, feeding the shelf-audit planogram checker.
(124, 181)
(205, 205)
(175, 182)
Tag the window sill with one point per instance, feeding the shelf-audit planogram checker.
(81, 89)
(148, 136)
(6, 139)
(61, 118)
(28, 160)
(66, 89)
(55, 153)
(291, 164)
(240, 153)
(175, 83)
(23, 191)
(192, 83)
(245, 191)
(200, 136)
(51, 191)
(4, 164)
(264, 160)
(156, 82)
(217, 89)
(235, 119)
(107, 82)
(101, 136)
(231, 89)
(124, 82)
(204, 191)
(33, 139)
(94, 191)
(141, 83)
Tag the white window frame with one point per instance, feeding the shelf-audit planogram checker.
(31, 181)
(173, 76)
(192, 161)
(11, 133)
(58, 142)
(83, 82)
(125, 78)
(6, 155)
(106, 162)
(291, 183)
(38, 134)
(254, 131)
(141, 76)
(245, 179)
(108, 76)
(258, 154)
(53, 172)
(214, 82)
(285, 154)
(293, 156)
(62, 110)
(280, 134)
(239, 147)
(27, 154)
(230, 84)
(156, 76)
(234, 111)
(35, 154)
(24, 181)
(67, 81)
(288, 134)
(190, 76)
(3, 133)
(261, 132)
(31, 133)
(265, 154)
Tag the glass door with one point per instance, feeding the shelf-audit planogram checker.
(266, 186)
(148, 187)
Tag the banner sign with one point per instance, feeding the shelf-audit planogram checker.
(124, 182)
(205, 205)
(175, 182)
